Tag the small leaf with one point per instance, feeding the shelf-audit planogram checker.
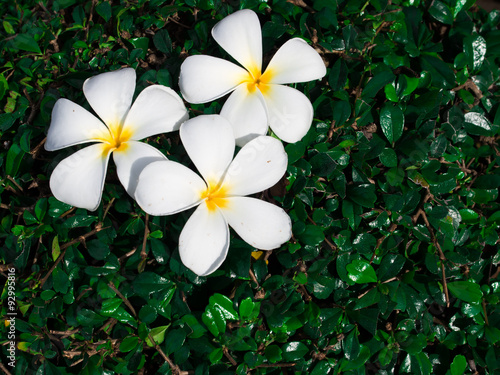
(458, 365)
(392, 121)
(477, 124)
(294, 351)
(56, 250)
(26, 42)
(361, 272)
(466, 291)
(158, 335)
(162, 41)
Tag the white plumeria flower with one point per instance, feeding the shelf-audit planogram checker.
(79, 179)
(258, 100)
(167, 187)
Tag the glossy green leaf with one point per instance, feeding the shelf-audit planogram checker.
(392, 121)
(466, 291)
(361, 272)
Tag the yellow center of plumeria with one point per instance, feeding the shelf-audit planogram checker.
(116, 139)
(256, 80)
(215, 196)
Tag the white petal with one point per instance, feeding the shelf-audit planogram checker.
(206, 78)
(157, 109)
(259, 165)
(209, 142)
(167, 187)
(296, 61)
(130, 162)
(246, 111)
(240, 36)
(110, 94)
(71, 125)
(259, 223)
(290, 112)
(204, 241)
(78, 180)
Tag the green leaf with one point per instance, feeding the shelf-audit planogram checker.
(246, 308)
(392, 121)
(323, 164)
(104, 10)
(442, 75)
(376, 83)
(162, 41)
(129, 343)
(158, 335)
(295, 151)
(273, 353)
(441, 12)
(475, 51)
(149, 282)
(361, 272)
(8, 28)
(294, 351)
(26, 42)
(225, 305)
(312, 235)
(467, 291)
(363, 194)
(459, 365)
(338, 75)
(14, 158)
(388, 157)
(477, 124)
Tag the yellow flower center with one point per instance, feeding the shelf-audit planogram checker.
(215, 196)
(256, 80)
(116, 139)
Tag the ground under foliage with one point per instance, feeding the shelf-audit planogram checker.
(394, 262)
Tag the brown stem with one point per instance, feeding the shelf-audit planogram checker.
(2, 367)
(63, 248)
(485, 314)
(125, 300)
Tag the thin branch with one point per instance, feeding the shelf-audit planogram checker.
(2, 367)
(124, 299)
(63, 248)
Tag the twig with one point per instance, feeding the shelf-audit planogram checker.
(124, 299)
(228, 356)
(434, 240)
(63, 248)
(175, 369)
(485, 314)
(145, 238)
(276, 365)
(15, 183)
(2, 367)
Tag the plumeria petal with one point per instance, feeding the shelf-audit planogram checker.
(131, 159)
(259, 223)
(290, 112)
(78, 180)
(110, 95)
(206, 78)
(296, 61)
(167, 187)
(209, 142)
(157, 109)
(246, 111)
(240, 36)
(204, 241)
(72, 124)
(259, 165)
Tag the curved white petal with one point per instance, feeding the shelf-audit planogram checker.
(259, 223)
(295, 61)
(131, 159)
(157, 109)
(110, 95)
(78, 180)
(206, 78)
(209, 142)
(204, 241)
(72, 124)
(259, 165)
(240, 36)
(246, 111)
(290, 112)
(167, 187)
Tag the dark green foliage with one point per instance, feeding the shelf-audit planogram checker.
(393, 195)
